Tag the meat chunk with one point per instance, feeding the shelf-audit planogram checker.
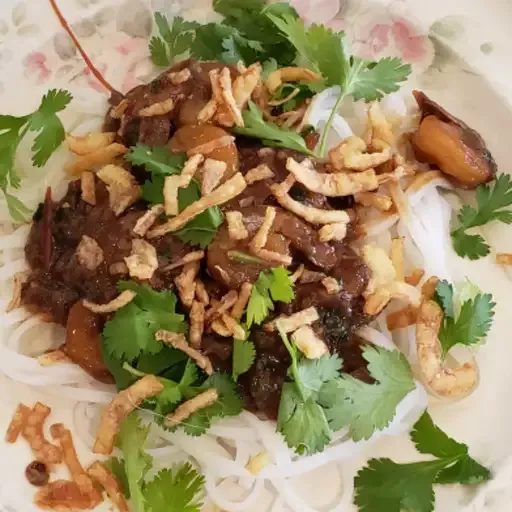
(449, 143)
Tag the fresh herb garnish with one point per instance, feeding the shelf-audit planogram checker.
(132, 329)
(386, 486)
(244, 354)
(160, 162)
(50, 134)
(271, 286)
(323, 50)
(174, 41)
(366, 408)
(491, 199)
(467, 317)
(178, 489)
(270, 133)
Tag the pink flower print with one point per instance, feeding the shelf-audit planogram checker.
(316, 11)
(376, 41)
(411, 46)
(91, 80)
(128, 46)
(35, 63)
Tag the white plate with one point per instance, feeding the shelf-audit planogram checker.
(461, 55)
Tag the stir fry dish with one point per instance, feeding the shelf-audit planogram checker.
(233, 265)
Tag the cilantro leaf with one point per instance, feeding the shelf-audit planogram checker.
(385, 485)
(190, 374)
(271, 134)
(177, 490)
(131, 331)
(314, 373)
(156, 160)
(131, 439)
(244, 354)
(153, 190)
(229, 403)
(236, 8)
(472, 323)
(365, 407)
(117, 468)
(271, 286)
(302, 421)
(49, 135)
(174, 41)
(491, 199)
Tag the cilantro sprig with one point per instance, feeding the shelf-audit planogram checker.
(244, 354)
(319, 400)
(50, 133)
(271, 286)
(467, 317)
(271, 134)
(491, 203)
(178, 489)
(386, 486)
(132, 329)
(160, 163)
(323, 50)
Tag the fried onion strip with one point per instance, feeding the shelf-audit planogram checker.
(88, 186)
(188, 258)
(221, 195)
(179, 342)
(260, 239)
(98, 158)
(143, 260)
(122, 300)
(293, 322)
(397, 257)
(120, 407)
(196, 323)
(242, 300)
(330, 232)
(145, 222)
(17, 423)
(90, 142)
(158, 109)
(380, 201)
(186, 284)
(185, 410)
(259, 173)
(213, 171)
(104, 477)
(236, 227)
(18, 280)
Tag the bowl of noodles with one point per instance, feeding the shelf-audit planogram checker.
(249, 253)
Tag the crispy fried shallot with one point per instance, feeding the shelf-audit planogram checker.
(185, 282)
(158, 109)
(378, 300)
(234, 327)
(221, 195)
(172, 185)
(219, 327)
(399, 198)
(188, 258)
(333, 184)
(185, 410)
(242, 300)
(105, 478)
(311, 276)
(397, 257)
(331, 284)
(309, 343)
(415, 277)
(196, 324)
(98, 158)
(76, 470)
(146, 222)
(201, 293)
(212, 145)
(143, 260)
(337, 231)
(213, 171)
(191, 166)
(228, 98)
(260, 238)
(245, 84)
(236, 227)
(18, 280)
(351, 154)
(207, 112)
(382, 271)
(308, 213)
(125, 402)
(179, 342)
(92, 141)
(88, 185)
(289, 74)
(118, 111)
(503, 258)
(220, 307)
(273, 257)
(33, 433)
(402, 318)
(379, 131)
(122, 300)
(298, 273)
(380, 201)
(17, 423)
(89, 253)
(293, 322)
(180, 77)
(258, 173)
(123, 189)
(63, 496)
(443, 380)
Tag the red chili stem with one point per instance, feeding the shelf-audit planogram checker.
(46, 230)
(88, 61)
